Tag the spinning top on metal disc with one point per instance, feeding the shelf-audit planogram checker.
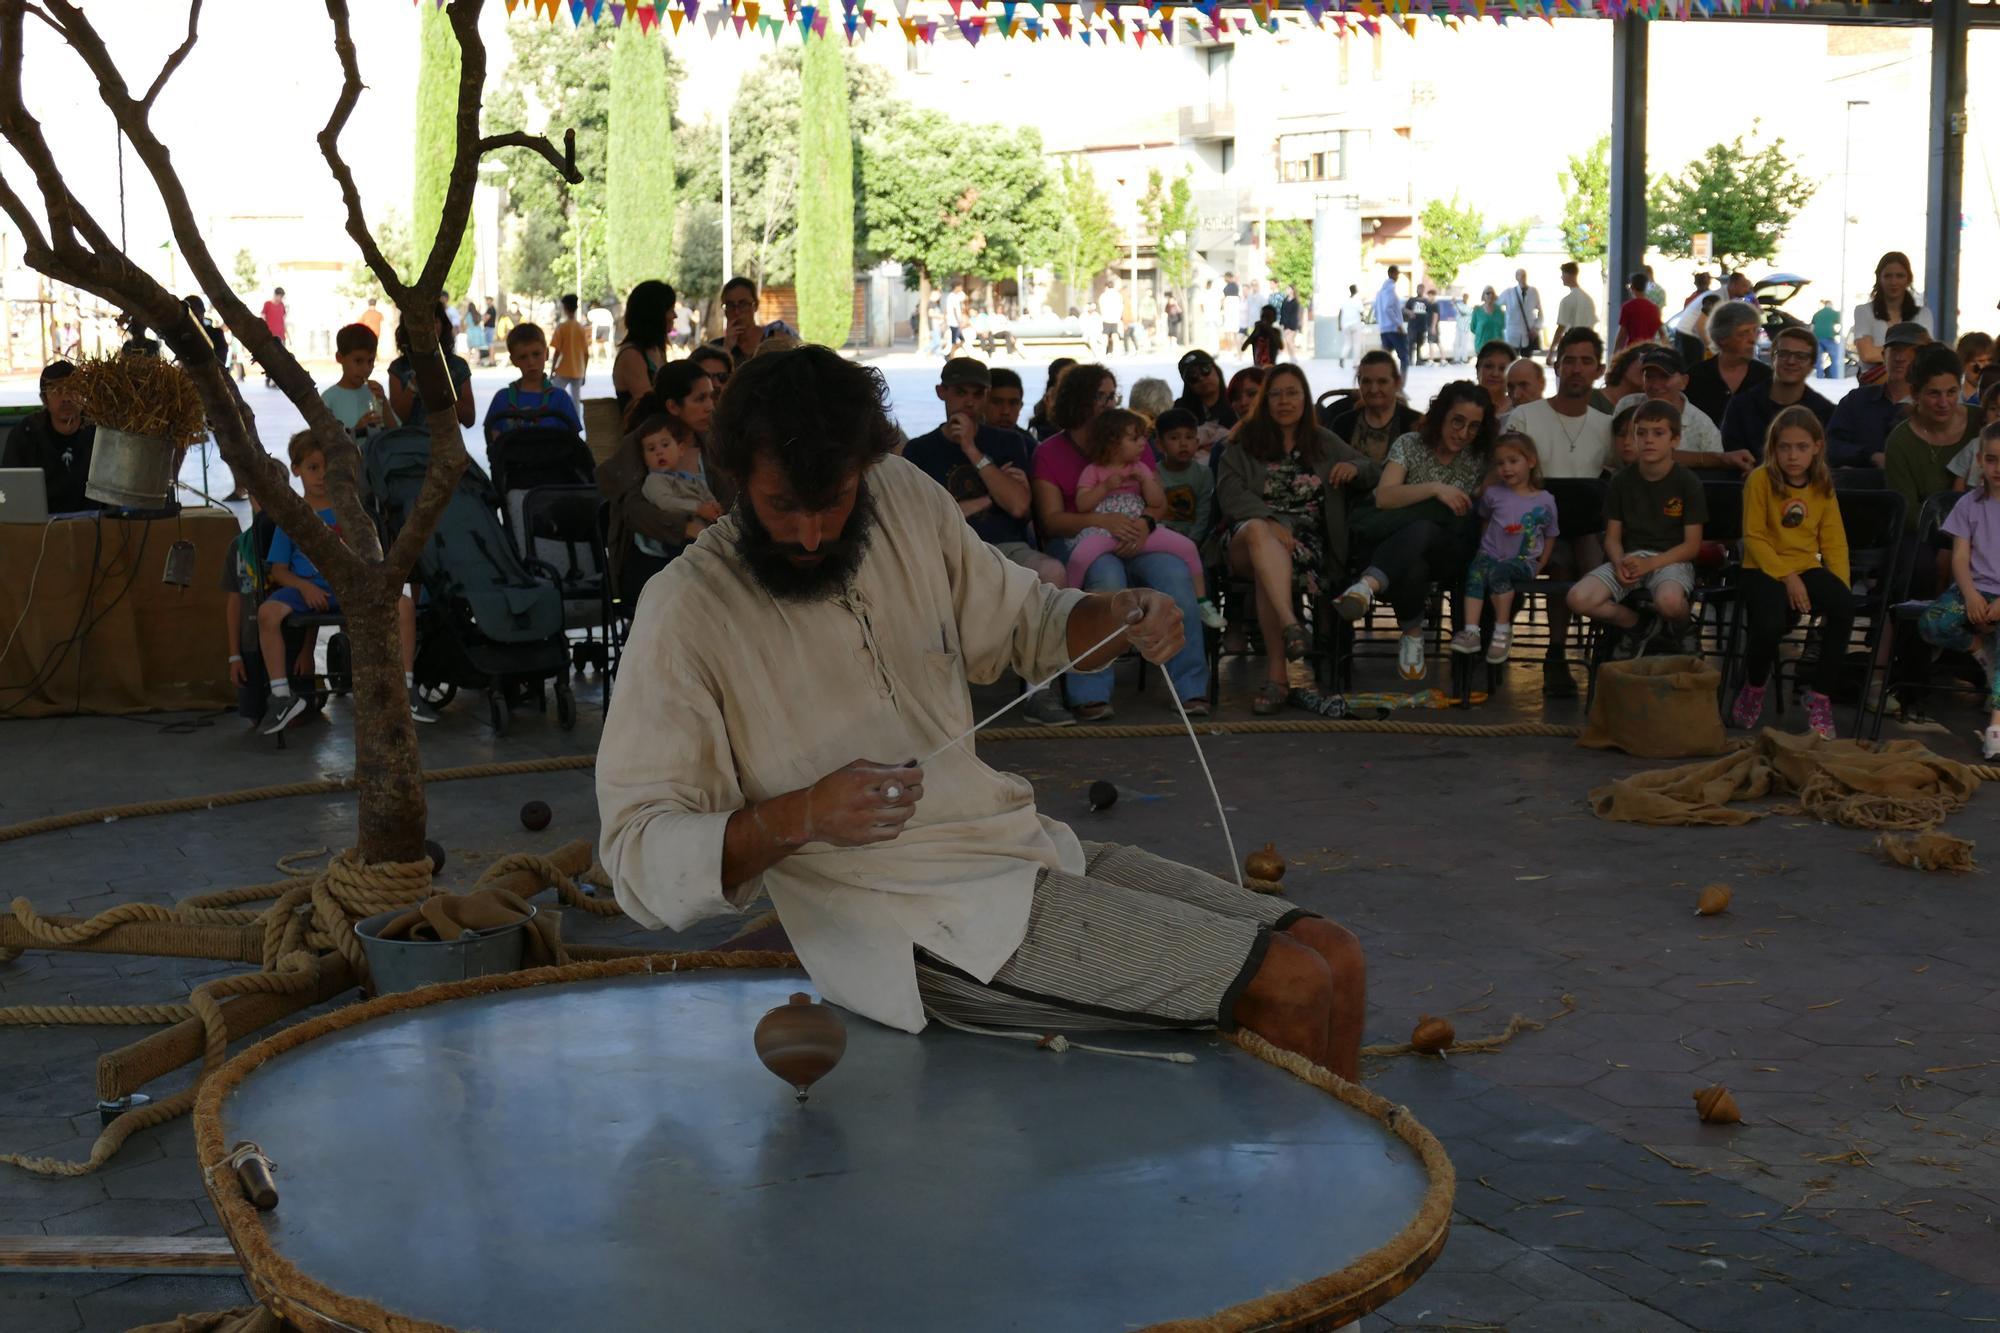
(801, 1042)
(535, 816)
(1102, 795)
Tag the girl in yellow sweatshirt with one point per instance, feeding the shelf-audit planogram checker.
(1794, 562)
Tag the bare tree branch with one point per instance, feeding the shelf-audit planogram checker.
(329, 146)
(174, 60)
(564, 162)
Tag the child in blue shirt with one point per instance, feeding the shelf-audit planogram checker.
(297, 587)
(530, 400)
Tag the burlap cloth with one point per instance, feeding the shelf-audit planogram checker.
(1656, 708)
(1898, 785)
(450, 916)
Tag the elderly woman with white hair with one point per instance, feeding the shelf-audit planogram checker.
(1150, 397)
(1734, 369)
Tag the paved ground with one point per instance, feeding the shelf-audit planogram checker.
(1850, 1005)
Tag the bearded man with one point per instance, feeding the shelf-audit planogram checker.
(784, 675)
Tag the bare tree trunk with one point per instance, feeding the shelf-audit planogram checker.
(923, 307)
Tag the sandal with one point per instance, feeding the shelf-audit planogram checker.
(1270, 698)
(1297, 641)
(1196, 707)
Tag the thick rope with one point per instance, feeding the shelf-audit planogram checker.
(342, 892)
(296, 1296)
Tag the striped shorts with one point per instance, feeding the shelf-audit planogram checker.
(1136, 941)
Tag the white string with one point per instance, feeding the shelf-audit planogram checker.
(1055, 1041)
(1229, 839)
(1026, 695)
(1235, 866)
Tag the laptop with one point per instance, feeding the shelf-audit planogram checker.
(24, 495)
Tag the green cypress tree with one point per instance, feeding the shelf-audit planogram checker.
(437, 141)
(639, 162)
(825, 264)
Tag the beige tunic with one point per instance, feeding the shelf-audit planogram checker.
(727, 695)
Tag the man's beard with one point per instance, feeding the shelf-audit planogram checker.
(770, 560)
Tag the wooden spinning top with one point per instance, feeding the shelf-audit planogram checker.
(801, 1042)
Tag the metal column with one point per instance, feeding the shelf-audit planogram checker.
(1946, 196)
(1627, 247)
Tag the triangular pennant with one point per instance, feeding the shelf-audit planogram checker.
(819, 25)
(807, 14)
(1085, 35)
(713, 18)
(617, 14)
(647, 19)
(510, 6)
(576, 8)
(676, 18)
(1139, 36)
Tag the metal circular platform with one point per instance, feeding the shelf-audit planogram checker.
(609, 1154)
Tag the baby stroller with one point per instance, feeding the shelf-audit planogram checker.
(548, 492)
(483, 621)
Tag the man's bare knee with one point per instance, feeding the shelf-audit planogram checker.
(1293, 983)
(1334, 943)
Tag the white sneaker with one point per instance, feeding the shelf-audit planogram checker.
(1410, 657)
(1989, 743)
(1502, 645)
(1466, 640)
(1211, 614)
(1353, 604)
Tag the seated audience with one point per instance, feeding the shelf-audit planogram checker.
(1524, 382)
(1699, 443)
(405, 402)
(1963, 619)
(1794, 563)
(1122, 479)
(1752, 410)
(1205, 396)
(1005, 397)
(1858, 432)
(1040, 423)
(1734, 369)
(1518, 527)
(1421, 527)
(1283, 491)
(531, 400)
(1653, 516)
(357, 401)
(1489, 367)
(1150, 397)
(1975, 353)
(1379, 416)
(1891, 302)
(1083, 393)
(1187, 481)
(1918, 454)
(686, 398)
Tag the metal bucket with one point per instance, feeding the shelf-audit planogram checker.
(400, 965)
(130, 471)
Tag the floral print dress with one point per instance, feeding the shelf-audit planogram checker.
(1294, 492)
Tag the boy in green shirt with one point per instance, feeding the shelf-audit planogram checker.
(1653, 512)
(1189, 484)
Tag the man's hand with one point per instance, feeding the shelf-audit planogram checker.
(963, 432)
(1015, 473)
(1741, 460)
(1155, 624)
(1795, 594)
(865, 802)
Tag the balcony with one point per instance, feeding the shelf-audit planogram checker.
(1208, 121)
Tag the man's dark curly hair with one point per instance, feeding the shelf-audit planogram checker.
(819, 416)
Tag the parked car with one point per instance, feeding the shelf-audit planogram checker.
(1771, 292)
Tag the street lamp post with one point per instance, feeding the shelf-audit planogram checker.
(1846, 187)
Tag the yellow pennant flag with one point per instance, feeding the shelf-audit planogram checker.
(674, 16)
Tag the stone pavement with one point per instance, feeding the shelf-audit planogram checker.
(1849, 1004)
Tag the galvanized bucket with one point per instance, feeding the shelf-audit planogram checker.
(400, 965)
(130, 471)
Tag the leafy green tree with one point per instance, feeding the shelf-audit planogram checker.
(436, 125)
(825, 268)
(1586, 188)
(1511, 237)
(951, 197)
(246, 270)
(1450, 235)
(764, 137)
(639, 162)
(1080, 237)
(698, 250)
(360, 282)
(1170, 214)
(945, 197)
(1743, 195)
(1290, 244)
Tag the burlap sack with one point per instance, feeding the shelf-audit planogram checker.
(603, 426)
(1656, 708)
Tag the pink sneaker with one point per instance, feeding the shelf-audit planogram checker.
(1819, 715)
(1749, 707)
